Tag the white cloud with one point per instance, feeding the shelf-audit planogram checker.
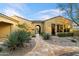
(52, 10)
(46, 14)
(23, 10)
(11, 12)
(16, 6)
(18, 9)
(45, 17)
(42, 17)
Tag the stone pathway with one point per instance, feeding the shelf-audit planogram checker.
(43, 48)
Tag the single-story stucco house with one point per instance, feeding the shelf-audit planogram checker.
(51, 26)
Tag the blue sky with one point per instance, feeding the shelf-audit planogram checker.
(31, 11)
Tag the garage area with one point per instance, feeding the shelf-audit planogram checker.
(5, 29)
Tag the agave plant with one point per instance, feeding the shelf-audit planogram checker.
(23, 36)
(12, 41)
(17, 38)
(45, 36)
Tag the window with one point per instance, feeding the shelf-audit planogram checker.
(59, 28)
(66, 29)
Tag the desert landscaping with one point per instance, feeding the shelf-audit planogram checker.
(38, 47)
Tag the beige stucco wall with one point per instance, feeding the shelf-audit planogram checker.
(6, 26)
(45, 25)
(57, 20)
(28, 23)
(6, 20)
(38, 23)
(31, 26)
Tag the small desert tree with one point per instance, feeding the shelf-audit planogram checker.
(71, 10)
(23, 26)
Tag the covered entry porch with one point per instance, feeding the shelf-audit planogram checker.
(56, 28)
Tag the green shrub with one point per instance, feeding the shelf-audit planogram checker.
(65, 34)
(33, 35)
(76, 33)
(1, 49)
(46, 36)
(42, 33)
(17, 38)
(22, 26)
(12, 41)
(23, 36)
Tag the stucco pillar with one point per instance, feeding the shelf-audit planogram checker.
(55, 29)
(63, 28)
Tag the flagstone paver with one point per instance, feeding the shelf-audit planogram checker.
(43, 48)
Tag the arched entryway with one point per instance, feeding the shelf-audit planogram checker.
(38, 29)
